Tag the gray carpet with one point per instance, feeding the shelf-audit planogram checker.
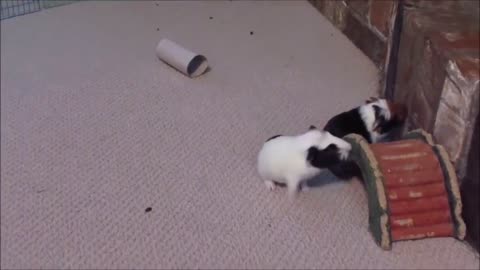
(95, 129)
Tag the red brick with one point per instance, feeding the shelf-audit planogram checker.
(381, 14)
(461, 47)
(360, 7)
(452, 42)
(469, 67)
(365, 38)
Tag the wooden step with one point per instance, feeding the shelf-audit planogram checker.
(418, 205)
(421, 163)
(394, 180)
(418, 191)
(437, 230)
(420, 219)
(399, 148)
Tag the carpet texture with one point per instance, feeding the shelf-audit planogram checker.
(95, 129)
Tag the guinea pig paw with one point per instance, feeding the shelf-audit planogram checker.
(344, 153)
(270, 185)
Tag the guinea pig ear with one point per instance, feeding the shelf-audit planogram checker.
(312, 127)
(371, 100)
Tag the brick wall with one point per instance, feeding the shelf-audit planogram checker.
(436, 73)
(367, 23)
(438, 79)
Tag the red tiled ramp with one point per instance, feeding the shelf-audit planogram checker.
(417, 210)
(412, 189)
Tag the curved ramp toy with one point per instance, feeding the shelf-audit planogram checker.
(412, 189)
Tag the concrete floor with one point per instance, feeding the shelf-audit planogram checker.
(95, 129)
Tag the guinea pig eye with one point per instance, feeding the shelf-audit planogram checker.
(378, 111)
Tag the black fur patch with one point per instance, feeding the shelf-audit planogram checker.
(323, 158)
(351, 122)
(348, 123)
(271, 138)
(385, 126)
(312, 127)
(377, 111)
(346, 170)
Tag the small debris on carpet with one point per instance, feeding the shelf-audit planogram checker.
(251, 32)
(211, 17)
(148, 209)
(158, 29)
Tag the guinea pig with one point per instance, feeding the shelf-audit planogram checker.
(291, 160)
(376, 121)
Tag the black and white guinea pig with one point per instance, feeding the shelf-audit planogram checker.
(375, 121)
(290, 160)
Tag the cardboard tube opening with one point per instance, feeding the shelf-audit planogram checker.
(197, 66)
(182, 59)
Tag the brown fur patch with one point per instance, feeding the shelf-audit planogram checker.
(398, 111)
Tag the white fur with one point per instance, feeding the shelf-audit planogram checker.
(283, 159)
(367, 112)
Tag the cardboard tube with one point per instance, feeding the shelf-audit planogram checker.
(185, 61)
